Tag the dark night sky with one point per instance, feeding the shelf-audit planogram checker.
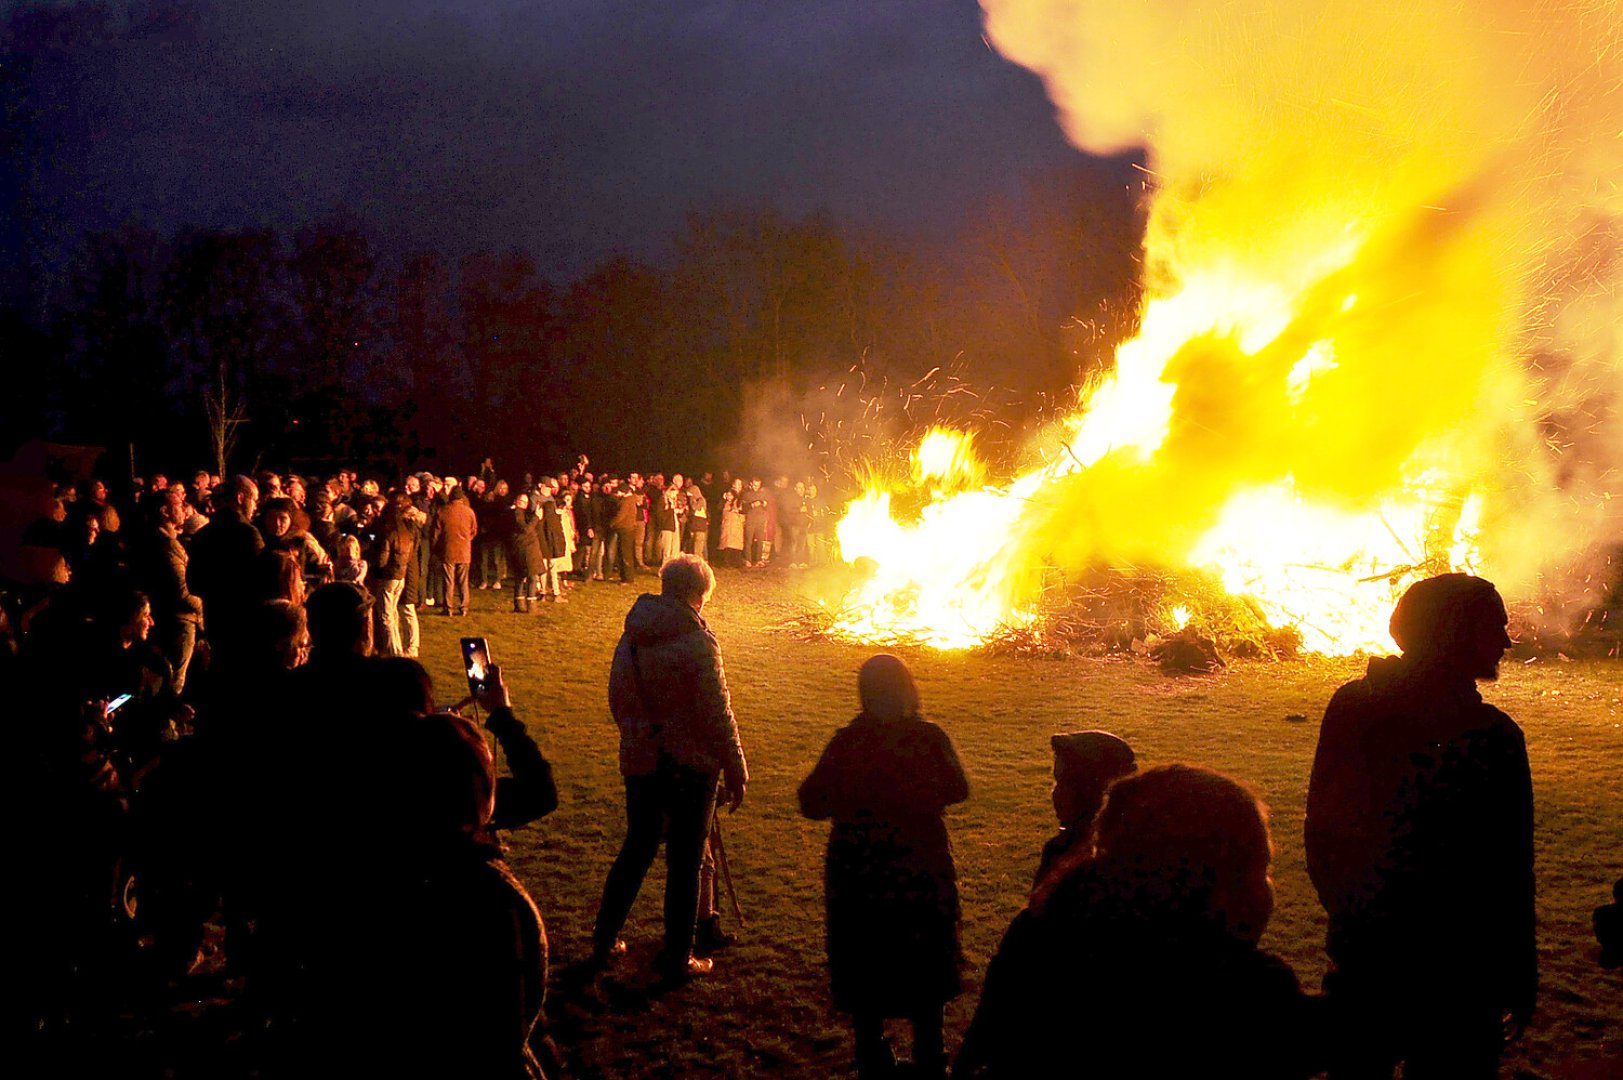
(573, 129)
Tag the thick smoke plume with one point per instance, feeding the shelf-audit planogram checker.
(1403, 225)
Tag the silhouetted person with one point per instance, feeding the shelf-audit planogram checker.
(1609, 928)
(437, 956)
(221, 571)
(321, 777)
(525, 536)
(668, 693)
(885, 779)
(1085, 764)
(1142, 960)
(1420, 844)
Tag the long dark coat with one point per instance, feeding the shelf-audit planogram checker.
(892, 888)
(414, 591)
(524, 543)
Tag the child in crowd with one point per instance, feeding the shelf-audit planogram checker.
(347, 562)
(1085, 765)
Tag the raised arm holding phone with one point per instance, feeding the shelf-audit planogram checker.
(530, 793)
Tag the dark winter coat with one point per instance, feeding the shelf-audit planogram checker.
(668, 693)
(326, 534)
(147, 722)
(551, 532)
(1419, 839)
(604, 507)
(627, 510)
(1101, 982)
(892, 888)
(585, 517)
(414, 592)
(524, 544)
(453, 952)
(224, 558)
(394, 553)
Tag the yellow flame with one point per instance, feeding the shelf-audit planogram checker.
(1140, 480)
(948, 458)
(1360, 226)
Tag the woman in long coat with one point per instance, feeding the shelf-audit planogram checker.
(525, 557)
(885, 780)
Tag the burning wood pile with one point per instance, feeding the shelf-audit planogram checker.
(1188, 623)
(1378, 340)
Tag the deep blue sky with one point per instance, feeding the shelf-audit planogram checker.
(571, 128)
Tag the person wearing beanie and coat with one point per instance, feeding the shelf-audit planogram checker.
(1419, 837)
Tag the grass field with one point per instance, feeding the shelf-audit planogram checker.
(765, 1010)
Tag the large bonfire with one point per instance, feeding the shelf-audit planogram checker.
(1379, 337)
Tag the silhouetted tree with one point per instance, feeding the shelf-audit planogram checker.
(226, 318)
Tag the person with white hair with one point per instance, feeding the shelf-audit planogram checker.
(678, 736)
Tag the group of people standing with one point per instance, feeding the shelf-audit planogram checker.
(423, 543)
(231, 789)
(1138, 952)
(1138, 955)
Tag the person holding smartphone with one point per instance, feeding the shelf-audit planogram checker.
(430, 935)
(529, 793)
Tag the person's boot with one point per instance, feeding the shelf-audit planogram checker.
(605, 955)
(521, 604)
(679, 971)
(709, 937)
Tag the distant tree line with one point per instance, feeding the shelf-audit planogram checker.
(240, 346)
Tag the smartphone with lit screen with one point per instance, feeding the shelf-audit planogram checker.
(476, 659)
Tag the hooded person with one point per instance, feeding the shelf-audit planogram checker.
(1085, 764)
(668, 694)
(1419, 838)
(885, 781)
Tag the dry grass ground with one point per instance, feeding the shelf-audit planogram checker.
(766, 1011)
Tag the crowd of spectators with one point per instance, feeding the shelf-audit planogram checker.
(207, 661)
(236, 752)
(418, 544)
